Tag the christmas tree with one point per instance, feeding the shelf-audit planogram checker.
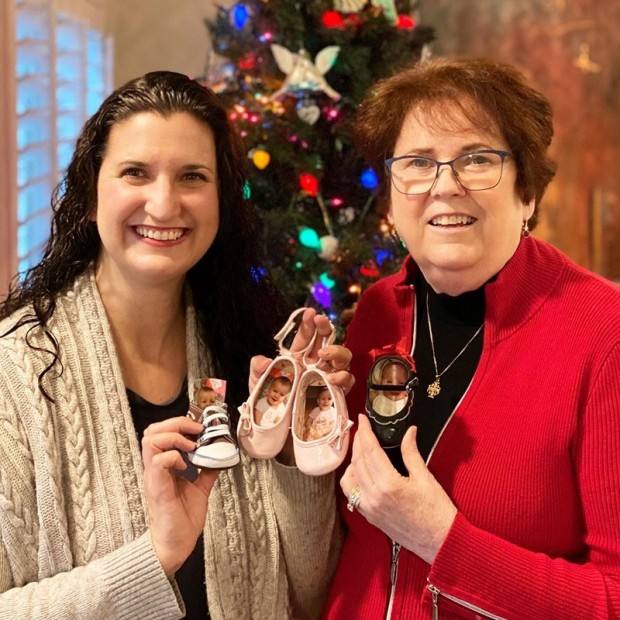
(292, 75)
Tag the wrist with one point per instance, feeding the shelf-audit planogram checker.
(170, 560)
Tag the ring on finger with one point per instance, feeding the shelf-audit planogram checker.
(354, 499)
(334, 369)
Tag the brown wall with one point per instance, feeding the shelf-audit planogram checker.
(571, 50)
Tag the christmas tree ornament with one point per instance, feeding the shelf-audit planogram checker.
(220, 73)
(346, 215)
(260, 158)
(308, 111)
(329, 247)
(349, 6)
(302, 73)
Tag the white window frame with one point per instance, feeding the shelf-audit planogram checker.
(83, 16)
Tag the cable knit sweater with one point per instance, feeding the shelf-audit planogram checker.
(530, 456)
(73, 513)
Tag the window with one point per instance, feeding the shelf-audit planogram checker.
(62, 73)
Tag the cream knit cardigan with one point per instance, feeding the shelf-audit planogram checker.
(73, 515)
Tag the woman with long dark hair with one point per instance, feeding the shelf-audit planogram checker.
(148, 283)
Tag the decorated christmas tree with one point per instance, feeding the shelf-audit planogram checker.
(292, 74)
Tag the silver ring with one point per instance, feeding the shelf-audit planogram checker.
(355, 497)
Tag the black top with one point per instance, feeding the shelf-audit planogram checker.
(191, 576)
(454, 321)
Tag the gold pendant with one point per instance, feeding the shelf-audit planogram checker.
(434, 388)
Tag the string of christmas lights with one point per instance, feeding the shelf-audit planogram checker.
(291, 75)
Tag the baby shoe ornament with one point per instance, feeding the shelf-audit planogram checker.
(390, 394)
(302, 73)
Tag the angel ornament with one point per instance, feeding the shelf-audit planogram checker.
(302, 73)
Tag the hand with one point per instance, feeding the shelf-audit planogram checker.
(338, 357)
(415, 511)
(335, 356)
(177, 507)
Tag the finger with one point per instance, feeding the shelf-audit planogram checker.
(179, 424)
(348, 480)
(258, 366)
(206, 480)
(343, 379)
(324, 330)
(411, 455)
(323, 325)
(156, 443)
(339, 357)
(170, 459)
(375, 464)
(356, 449)
(305, 332)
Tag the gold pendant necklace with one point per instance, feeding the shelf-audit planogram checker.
(434, 388)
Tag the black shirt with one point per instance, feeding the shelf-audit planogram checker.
(191, 576)
(454, 320)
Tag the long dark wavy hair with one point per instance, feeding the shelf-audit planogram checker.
(240, 306)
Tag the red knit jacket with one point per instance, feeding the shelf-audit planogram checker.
(530, 457)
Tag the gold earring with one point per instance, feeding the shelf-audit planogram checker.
(525, 229)
(394, 236)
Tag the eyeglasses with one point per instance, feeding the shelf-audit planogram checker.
(477, 171)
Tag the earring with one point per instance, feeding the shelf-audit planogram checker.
(525, 229)
(394, 236)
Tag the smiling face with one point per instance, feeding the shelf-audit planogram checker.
(157, 199)
(277, 391)
(324, 400)
(206, 398)
(458, 238)
(394, 374)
